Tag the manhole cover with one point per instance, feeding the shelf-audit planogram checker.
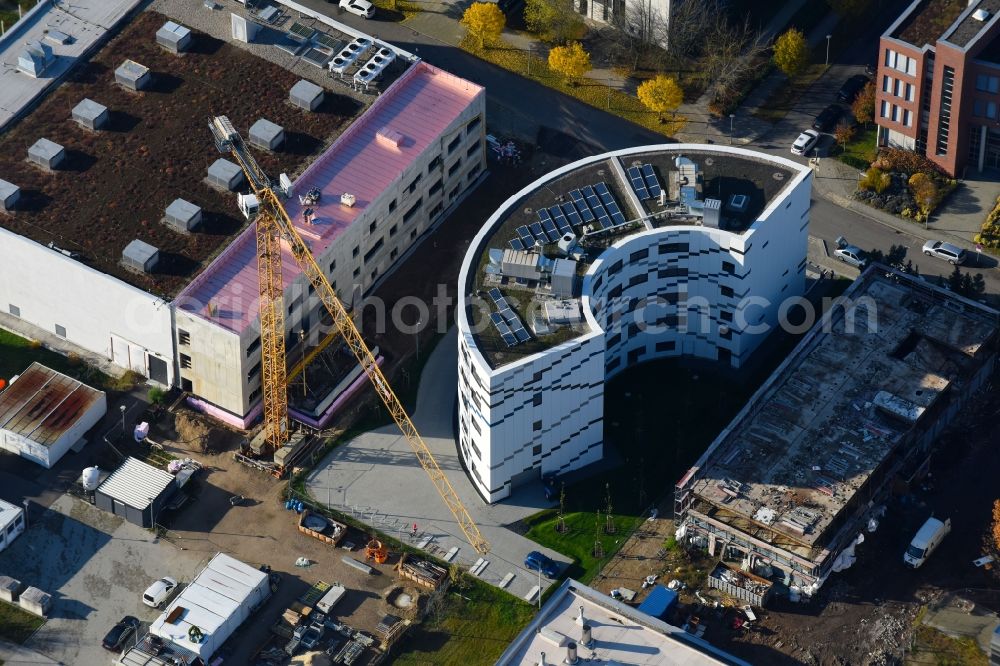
(529, 210)
(778, 175)
(600, 172)
(709, 161)
(636, 162)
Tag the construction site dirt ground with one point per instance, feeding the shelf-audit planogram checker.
(869, 613)
(115, 184)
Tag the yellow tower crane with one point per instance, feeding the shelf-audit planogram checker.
(273, 226)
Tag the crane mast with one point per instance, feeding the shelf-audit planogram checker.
(272, 226)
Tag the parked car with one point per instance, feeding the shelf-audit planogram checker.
(115, 639)
(850, 254)
(827, 118)
(851, 88)
(361, 8)
(806, 142)
(158, 592)
(953, 254)
(535, 561)
(550, 484)
(928, 538)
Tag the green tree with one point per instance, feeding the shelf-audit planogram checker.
(484, 21)
(863, 106)
(571, 61)
(555, 21)
(791, 53)
(660, 95)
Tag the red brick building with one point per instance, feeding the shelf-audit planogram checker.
(938, 83)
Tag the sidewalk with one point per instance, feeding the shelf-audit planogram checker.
(17, 655)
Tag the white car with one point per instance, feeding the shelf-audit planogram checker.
(159, 591)
(953, 254)
(806, 142)
(362, 8)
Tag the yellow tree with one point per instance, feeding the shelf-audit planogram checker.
(791, 53)
(484, 21)
(571, 61)
(924, 191)
(660, 95)
(996, 525)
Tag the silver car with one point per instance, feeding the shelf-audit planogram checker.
(851, 254)
(953, 254)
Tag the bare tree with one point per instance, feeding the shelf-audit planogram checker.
(731, 53)
(640, 36)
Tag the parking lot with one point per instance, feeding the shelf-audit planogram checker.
(96, 567)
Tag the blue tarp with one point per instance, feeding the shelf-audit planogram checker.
(659, 602)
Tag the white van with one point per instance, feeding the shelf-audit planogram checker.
(927, 539)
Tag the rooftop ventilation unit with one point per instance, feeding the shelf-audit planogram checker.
(9, 194)
(389, 137)
(35, 58)
(348, 199)
(90, 114)
(46, 154)
(140, 256)
(306, 95)
(173, 37)
(133, 76)
(980, 14)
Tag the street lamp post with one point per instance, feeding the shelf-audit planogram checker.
(732, 117)
(416, 337)
(152, 512)
(121, 408)
(828, 50)
(26, 504)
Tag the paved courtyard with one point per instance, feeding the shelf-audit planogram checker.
(376, 478)
(96, 567)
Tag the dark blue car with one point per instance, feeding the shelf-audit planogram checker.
(535, 561)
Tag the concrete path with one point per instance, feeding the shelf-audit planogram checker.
(376, 478)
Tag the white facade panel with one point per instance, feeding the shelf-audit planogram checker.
(89, 308)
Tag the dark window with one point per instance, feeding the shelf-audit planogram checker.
(188, 387)
(355, 251)
(475, 424)
(472, 149)
(375, 248)
(670, 248)
(598, 282)
(614, 363)
(254, 346)
(373, 275)
(726, 316)
(537, 377)
(185, 362)
(633, 330)
(615, 292)
(395, 251)
(333, 266)
(435, 188)
(474, 170)
(536, 426)
(536, 399)
(408, 215)
(536, 450)
(438, 207)
(614, 339)
(434, 164)
(671, 297)
(453, 193)
(392, 230)
(615, 267)
(357, 272)
(666, 345)
(638, 279)
(671, 272)
(371, 227)
(638, 255)
(726, 291)
(634, 355)
(254, 371)
(728, 267)
(60, 330)
(454, 144)
(454, 167)
(14, 310)
(413, 234)
(392, 205)
(413, 185)
(183, 337)
(473, 124)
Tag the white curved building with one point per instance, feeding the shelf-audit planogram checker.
(701, 270)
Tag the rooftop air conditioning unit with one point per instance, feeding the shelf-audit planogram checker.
(348, 199)
(980, 14)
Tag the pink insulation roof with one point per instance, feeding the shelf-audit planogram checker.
(364, 161)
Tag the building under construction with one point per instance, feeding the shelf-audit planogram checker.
(787, 487)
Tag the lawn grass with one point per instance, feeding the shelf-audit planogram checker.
(17, 625)
(473, 624)
(588, 91)
(931, 646)
(659, 417)
(862, 148)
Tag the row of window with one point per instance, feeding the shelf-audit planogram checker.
(60, 330)
(983, 109)
(900, 62)
(898, 88)
(987, 83)
(896, 114)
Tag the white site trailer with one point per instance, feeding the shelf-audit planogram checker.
(207, 612)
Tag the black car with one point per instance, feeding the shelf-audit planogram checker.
(851, 88)
(119, 634)
(827, 118)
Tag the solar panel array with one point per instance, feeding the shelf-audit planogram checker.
(506, 321)
(593, 204)
(644, 182)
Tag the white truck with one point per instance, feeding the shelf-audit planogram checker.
(928, 538)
